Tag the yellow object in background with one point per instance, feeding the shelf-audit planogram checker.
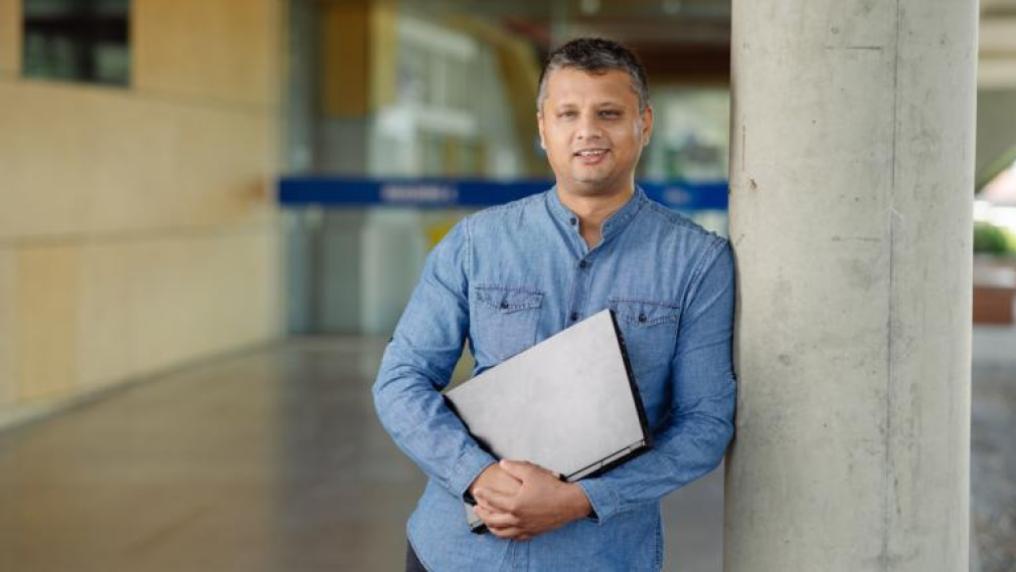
(435, 231)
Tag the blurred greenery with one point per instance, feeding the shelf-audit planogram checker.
(991, 239)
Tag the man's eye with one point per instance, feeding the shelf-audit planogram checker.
(567, 114)
(610, 113)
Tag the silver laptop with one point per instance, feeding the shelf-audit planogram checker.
(569, 404)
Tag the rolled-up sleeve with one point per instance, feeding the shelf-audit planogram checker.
(418, 364)
(694, 436)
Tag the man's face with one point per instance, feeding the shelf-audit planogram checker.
(592, 130)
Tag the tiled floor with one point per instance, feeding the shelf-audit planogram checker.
(273, 460)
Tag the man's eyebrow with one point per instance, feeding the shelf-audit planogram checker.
(598, 105)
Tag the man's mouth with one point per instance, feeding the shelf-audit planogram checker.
(591, 153)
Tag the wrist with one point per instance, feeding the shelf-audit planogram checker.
(578, 502)
(477, 481)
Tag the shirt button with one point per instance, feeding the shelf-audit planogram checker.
(583, 264)
(504, 305)
(642, 318)
(574, 316)
(573, 221)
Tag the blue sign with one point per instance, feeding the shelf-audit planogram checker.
(350, 192)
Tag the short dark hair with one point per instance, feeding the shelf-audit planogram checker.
(596, 55)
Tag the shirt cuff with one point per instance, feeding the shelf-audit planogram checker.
(469, 466)
(602, 498)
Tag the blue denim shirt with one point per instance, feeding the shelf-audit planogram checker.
(510, 276)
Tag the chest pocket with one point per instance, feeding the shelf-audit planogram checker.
(504, 321)
(650, 336)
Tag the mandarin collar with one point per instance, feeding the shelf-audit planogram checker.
(614, 224)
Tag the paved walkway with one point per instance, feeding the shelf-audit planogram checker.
(993, 439)
(273, 461)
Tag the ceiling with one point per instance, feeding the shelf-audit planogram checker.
(683, 40)
(677, 40)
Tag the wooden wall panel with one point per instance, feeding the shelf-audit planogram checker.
(359, 44)
(101, 313)
(8, 319)
(202, 296)
(10, 37)
(345, 71)
(139, 230)
(84, 160)
(220, 50)
(45, 295)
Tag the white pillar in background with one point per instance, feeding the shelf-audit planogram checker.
(851, 187)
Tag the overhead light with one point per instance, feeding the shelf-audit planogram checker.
(672, 7)
(589, 7)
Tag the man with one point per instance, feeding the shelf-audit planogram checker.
(510, 276)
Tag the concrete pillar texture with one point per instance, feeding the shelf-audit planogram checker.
(852, 133)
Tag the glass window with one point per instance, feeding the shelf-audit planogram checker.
(77, 40)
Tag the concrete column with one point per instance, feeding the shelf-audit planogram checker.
(851, 188)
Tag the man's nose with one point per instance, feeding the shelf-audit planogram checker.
(589, 127)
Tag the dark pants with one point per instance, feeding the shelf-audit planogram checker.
(412, 562)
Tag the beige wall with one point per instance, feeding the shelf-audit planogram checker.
(10, 38)
(208, 49)
(86, 160)
(137, 228)
(8, 316)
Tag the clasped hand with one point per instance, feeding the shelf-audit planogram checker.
(519, 500)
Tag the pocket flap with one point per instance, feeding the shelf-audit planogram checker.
(507, 300)
(644, 312)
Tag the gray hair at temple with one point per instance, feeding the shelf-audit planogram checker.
(596, 55)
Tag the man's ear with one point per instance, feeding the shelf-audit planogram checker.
(539, 126)
(647, 125)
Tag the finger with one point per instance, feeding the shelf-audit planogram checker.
(507, 533)
(498, 519)
(494, 500)
(482, 503)
(486, 513)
